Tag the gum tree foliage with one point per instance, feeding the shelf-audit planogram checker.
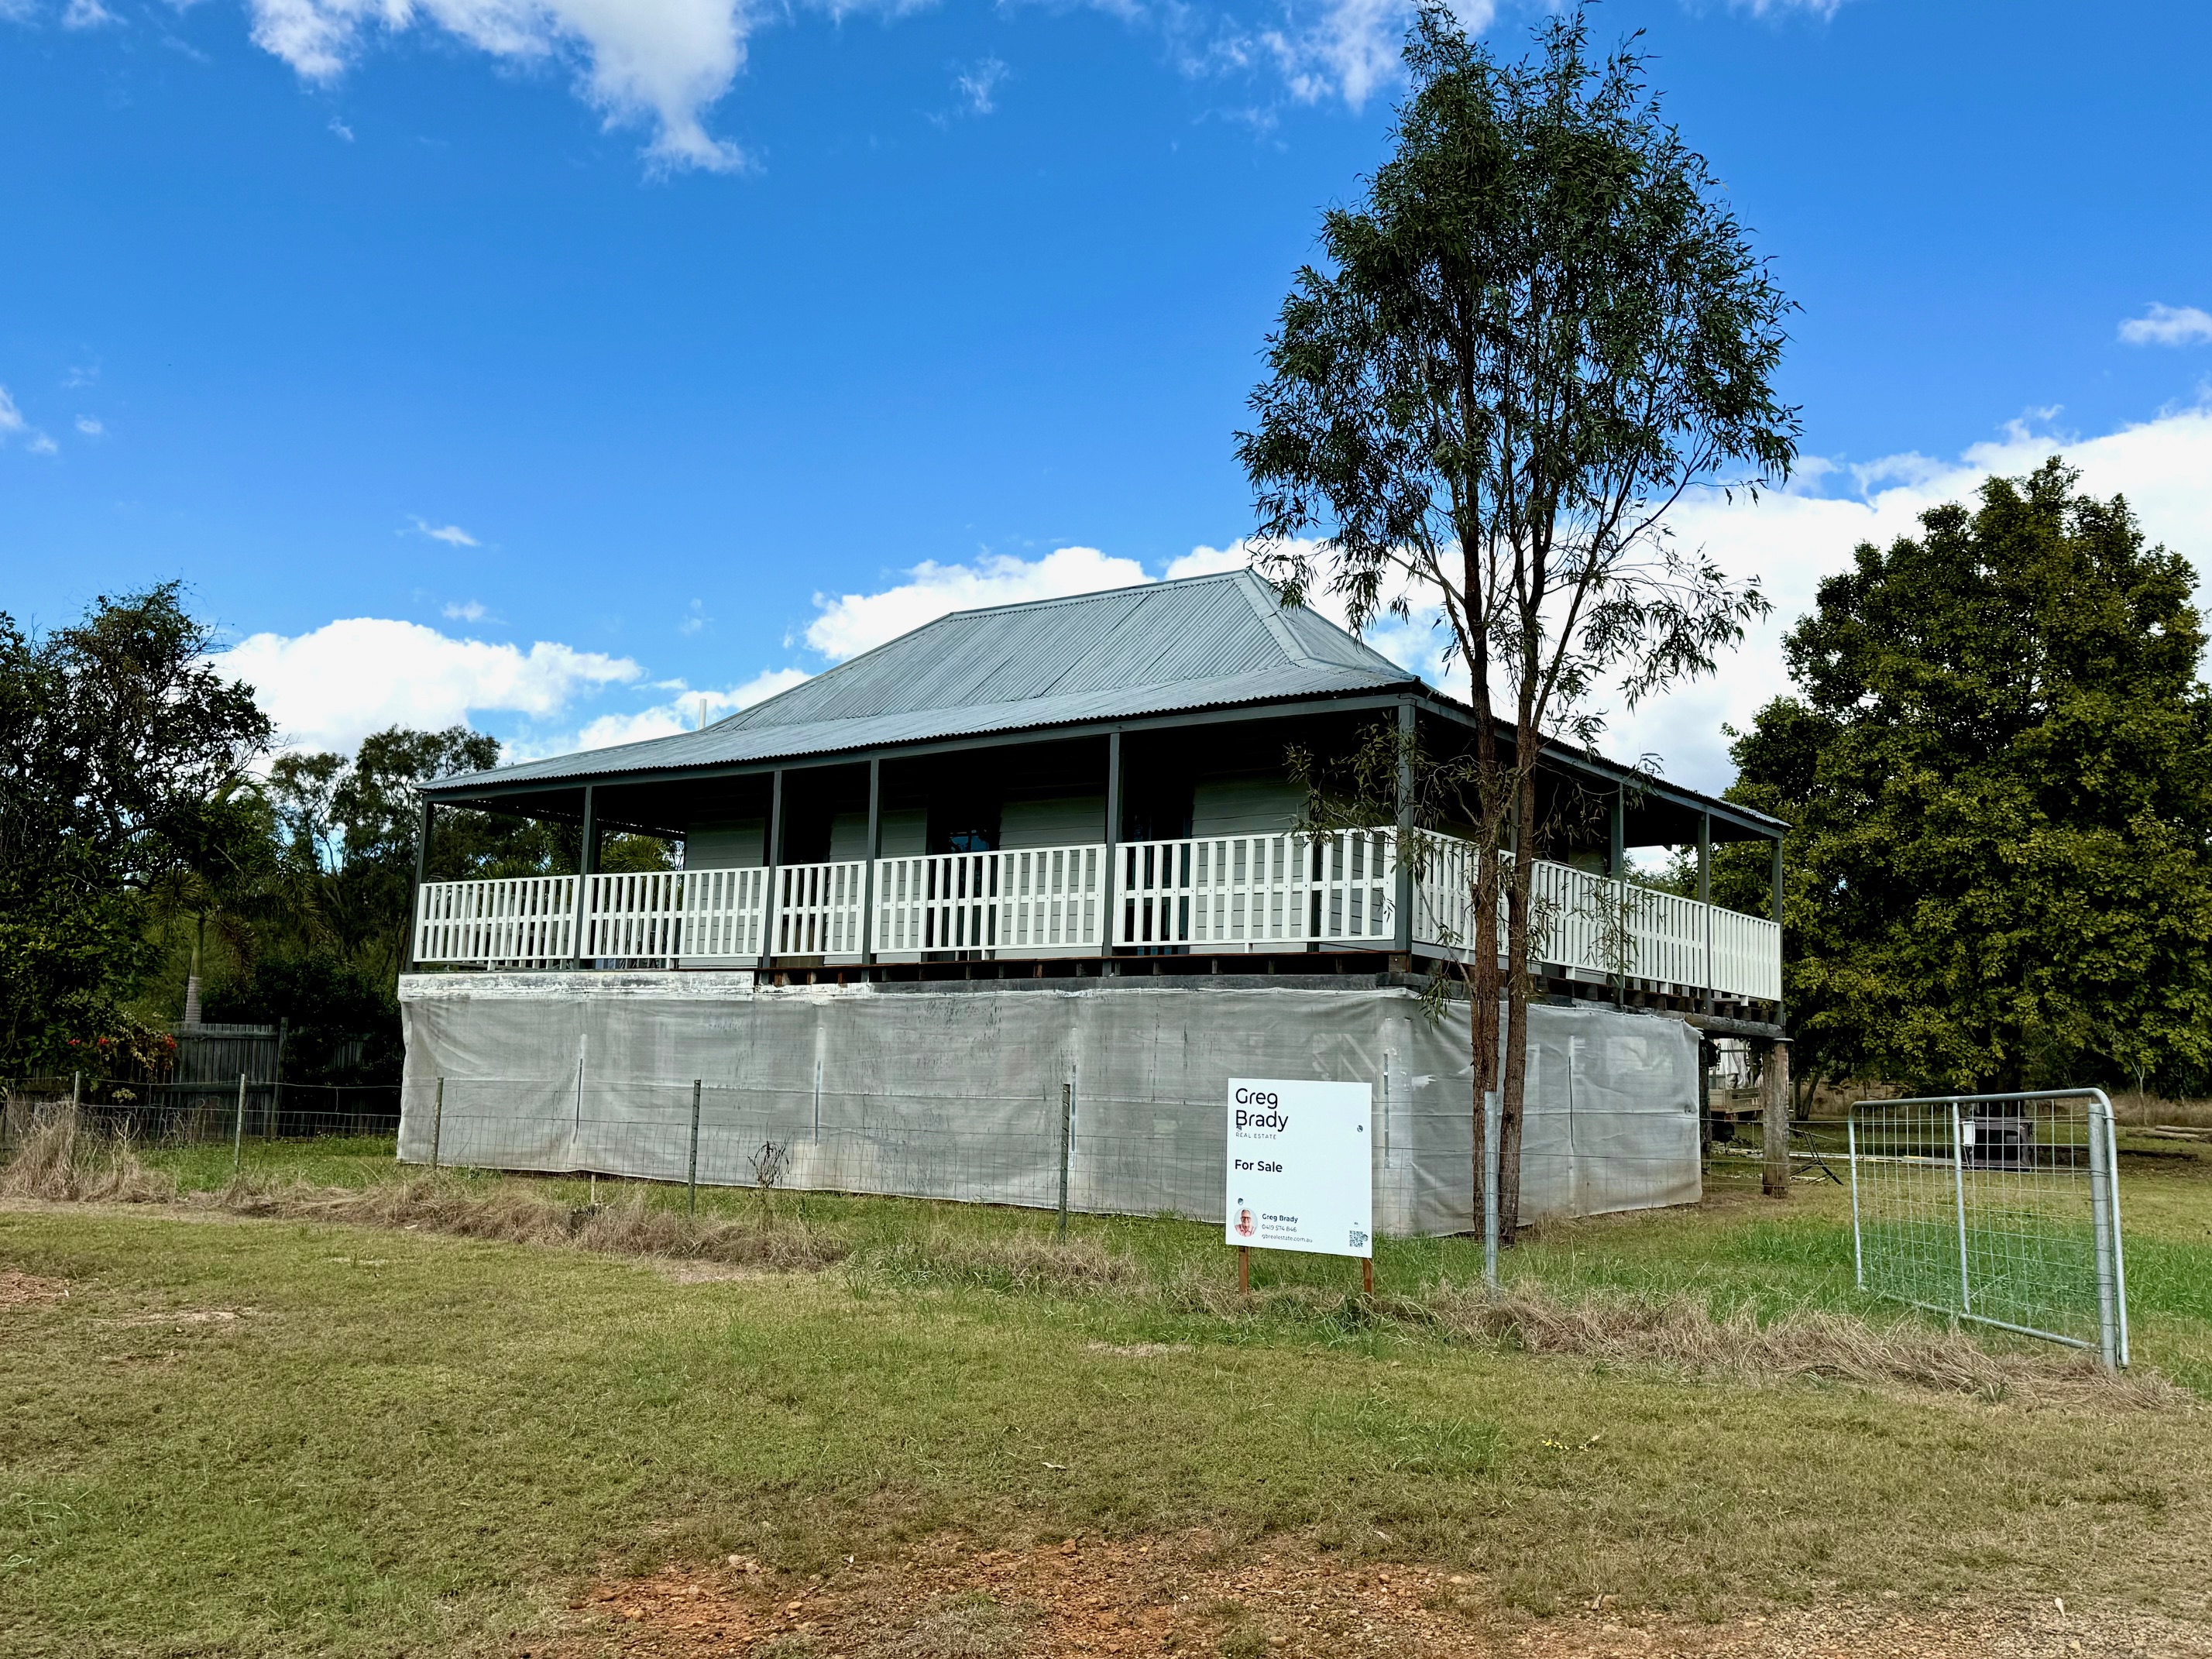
(1536, 329)
(1998, 764)
(124, 759)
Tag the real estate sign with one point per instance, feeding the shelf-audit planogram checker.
(1300, 1176)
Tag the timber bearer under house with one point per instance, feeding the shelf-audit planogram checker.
(1084, 796)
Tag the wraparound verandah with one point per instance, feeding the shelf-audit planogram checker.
(1155, 838)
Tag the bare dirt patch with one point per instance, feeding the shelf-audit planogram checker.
(21, 1289)
(1184, 1596)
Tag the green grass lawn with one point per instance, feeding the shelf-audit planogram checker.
(410, 1444)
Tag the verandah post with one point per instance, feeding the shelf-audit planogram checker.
(1109, 918)
(588, 866)
(1705, 897)
(875, 852)
(769, 902)
(1401, 944)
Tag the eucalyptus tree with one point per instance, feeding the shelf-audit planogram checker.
(1538, 328)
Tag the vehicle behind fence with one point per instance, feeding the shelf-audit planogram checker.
(2002, 1209)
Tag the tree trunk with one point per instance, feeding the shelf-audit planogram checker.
(1513, 1070)
(1480, 976)
(1481, 950)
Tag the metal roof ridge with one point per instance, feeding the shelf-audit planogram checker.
(1148, 586)
(1271, 618)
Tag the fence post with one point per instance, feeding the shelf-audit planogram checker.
(1851, 1152)
(1067, 1134)
(437, 1124)
(691, 1172)
(1958, 1188)
(1492, 1111)
(2112, 1209)
(238, 1130)
(1776, 1132)
(2102, 1194)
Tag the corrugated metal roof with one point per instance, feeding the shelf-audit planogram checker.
(1202, 642)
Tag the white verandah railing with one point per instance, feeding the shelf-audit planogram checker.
(1245, 894)
(1027, 902)
(1594, 924)
(1251, 892)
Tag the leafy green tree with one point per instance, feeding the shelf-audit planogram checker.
(1998, 764)
(1539, 328)
(123, 756)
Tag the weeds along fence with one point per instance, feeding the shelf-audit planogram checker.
(229, 1111)
(2001, 1209)
(1077, 1145)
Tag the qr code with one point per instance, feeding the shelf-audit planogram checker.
(1358, 1240)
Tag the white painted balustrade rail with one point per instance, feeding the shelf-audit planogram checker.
(1240, 894)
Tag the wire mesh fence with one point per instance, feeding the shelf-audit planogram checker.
(1076, 1142)
(2002, 1209)
(233, 1112)
(1071, 1145)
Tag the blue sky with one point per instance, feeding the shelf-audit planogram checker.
(583, 366)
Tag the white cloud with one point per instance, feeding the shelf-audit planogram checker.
(1791, 541)
(90, 427)
(2168, 325)
(684, 713)
(85, 15)
(340, 129)
(331, 688)
(1820, 9)
(853, 623)
(466, 610)
(980, 84)
(12, 425)
(452, 534)
(660, 63)
(1351, 49)
(2163, 466)
(694, 617)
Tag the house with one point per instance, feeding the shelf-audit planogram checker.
(1042, 862)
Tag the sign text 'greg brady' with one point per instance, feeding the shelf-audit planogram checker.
(1258, 1108)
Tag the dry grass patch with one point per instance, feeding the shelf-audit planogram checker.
(62, 1160)
(1016, 1261)
(1683, 1332)
(518, 1212)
